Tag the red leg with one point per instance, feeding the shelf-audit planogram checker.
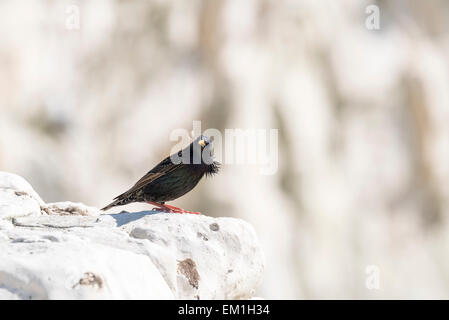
(170, 209)
(179, 210)
(156, 204)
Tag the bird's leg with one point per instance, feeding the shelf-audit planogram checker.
(158, 205)
(179, 210)
(171, 209)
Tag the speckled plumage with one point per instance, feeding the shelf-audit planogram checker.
(168, 180)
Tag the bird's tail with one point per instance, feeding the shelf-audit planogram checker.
(121, 200)
(118, 202)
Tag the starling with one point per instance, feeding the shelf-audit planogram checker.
(172, 177)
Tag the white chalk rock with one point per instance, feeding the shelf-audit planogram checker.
(200, 256)
(70, 208)
(76, 269)
(68, 250)
(17, 197)
(17, 183)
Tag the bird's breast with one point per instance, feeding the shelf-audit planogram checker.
(173, 184)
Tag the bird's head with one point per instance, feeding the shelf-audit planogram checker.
(203, 141)
(203, 149)
(208, 164)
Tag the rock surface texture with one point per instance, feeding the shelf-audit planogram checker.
(68, 250)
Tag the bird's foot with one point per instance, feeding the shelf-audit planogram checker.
(170, 209)
(173, 209)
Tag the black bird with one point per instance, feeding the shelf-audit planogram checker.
(172, 177)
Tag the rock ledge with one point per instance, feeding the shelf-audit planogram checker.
(68, 250)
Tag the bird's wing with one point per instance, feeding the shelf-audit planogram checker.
(164, 167)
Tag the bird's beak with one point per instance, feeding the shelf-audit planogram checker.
(202, 143)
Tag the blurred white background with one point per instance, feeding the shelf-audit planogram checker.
(362, 114)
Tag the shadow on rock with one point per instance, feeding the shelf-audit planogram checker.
(125, 217)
